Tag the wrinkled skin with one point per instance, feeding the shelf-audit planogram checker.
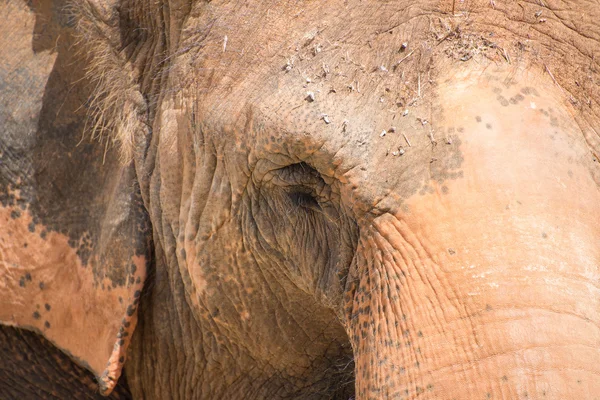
(295, 244)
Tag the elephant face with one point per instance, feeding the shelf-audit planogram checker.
(388, 200)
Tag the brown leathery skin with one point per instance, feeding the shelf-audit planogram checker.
(241, 147)
(236, 144)
(352, 199)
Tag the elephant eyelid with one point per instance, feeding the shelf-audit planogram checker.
(304, 199)
(301, 174)
(304, 185)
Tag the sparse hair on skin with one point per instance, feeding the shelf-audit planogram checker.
(117, 108)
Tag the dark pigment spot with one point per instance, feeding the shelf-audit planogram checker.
(130, 310)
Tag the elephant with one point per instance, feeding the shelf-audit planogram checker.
(298, 199)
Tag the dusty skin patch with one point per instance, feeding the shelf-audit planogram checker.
(44, 286)
(532, 200)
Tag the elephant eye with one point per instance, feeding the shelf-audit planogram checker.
(304, 200)
(303, 183)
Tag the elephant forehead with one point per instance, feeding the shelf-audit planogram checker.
(504, 131)
(281, 56)
(523, 159)
(498, 118)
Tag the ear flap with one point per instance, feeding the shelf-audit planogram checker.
(74, 234)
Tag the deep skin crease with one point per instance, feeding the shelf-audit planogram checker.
(351, 200)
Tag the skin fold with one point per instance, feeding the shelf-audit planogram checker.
(271, 200)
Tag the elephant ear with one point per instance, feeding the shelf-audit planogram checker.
(74, 234)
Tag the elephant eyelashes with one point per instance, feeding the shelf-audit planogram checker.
(304, 200)
(302, 181)
(301, 174)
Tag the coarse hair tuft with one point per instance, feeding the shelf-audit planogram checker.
(117, 108)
